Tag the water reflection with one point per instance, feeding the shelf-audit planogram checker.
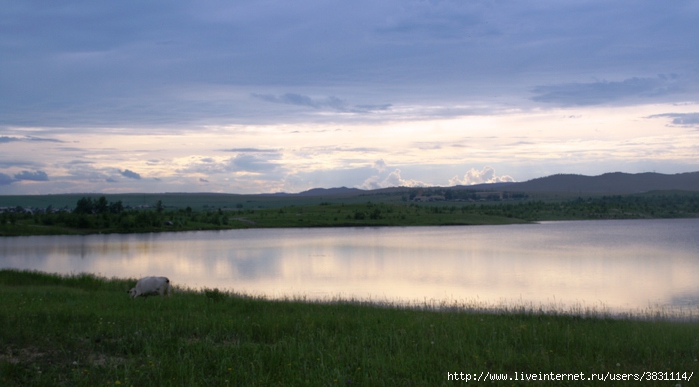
(620, 265)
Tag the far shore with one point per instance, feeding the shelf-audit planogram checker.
(100, 216)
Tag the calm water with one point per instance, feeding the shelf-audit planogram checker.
(615, 265)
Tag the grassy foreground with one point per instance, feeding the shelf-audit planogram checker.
(83, 330)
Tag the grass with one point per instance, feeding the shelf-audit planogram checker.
(365, 214)
(83, 330)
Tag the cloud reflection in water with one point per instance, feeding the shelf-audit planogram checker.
(616, 264)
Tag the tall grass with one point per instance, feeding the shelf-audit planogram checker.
(86, 331)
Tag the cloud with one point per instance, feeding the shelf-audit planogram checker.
(394, 179)
(474, 176)
(601, 92)
(33, 164)
(250, 163)
(130, 174)
(689, 120)
(371, 108)
(326, 103)
(256, 79)
(175, 64)
(437, 23)
(7, 139)
(32, 176)
(250, 150)
(80, 170)
(379, 165)
(5, 179)
(257, 163)
(302, 100)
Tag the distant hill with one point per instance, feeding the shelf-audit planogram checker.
(613, 183)
(331, 191)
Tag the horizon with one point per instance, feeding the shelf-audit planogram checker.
(476, 186)
(263, 98)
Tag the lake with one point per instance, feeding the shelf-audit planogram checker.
(615, 266)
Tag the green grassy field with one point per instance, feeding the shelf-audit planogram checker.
(83, 330)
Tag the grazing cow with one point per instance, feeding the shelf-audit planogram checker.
(150, 286)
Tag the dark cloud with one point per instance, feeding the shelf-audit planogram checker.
(437, 22)
(75, 70)
(325, 103)
(130, 174)
(680, 119)
(20, 164)
(372, 108)
(5, 179)
(6, 139)
(290, 99)
(39, 139)
(32, 176)
(120, 64)
(601, 92)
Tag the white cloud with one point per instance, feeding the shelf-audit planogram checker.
(393, 179)
(379, 165)
(474, 176)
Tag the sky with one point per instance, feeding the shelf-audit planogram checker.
(279, 96)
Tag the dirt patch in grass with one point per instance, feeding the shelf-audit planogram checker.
(45, 357)
(244, 220)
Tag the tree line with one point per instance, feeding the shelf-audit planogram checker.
(99, 215)
(102, 215)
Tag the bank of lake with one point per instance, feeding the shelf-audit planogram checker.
(98, 215)
(84, 330)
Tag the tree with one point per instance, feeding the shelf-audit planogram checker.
(116, 208)
(84, 206)
(101, 205)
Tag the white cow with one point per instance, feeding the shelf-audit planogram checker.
(150, 286)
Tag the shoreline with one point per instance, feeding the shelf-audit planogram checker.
(101, 217)
(84, 331)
